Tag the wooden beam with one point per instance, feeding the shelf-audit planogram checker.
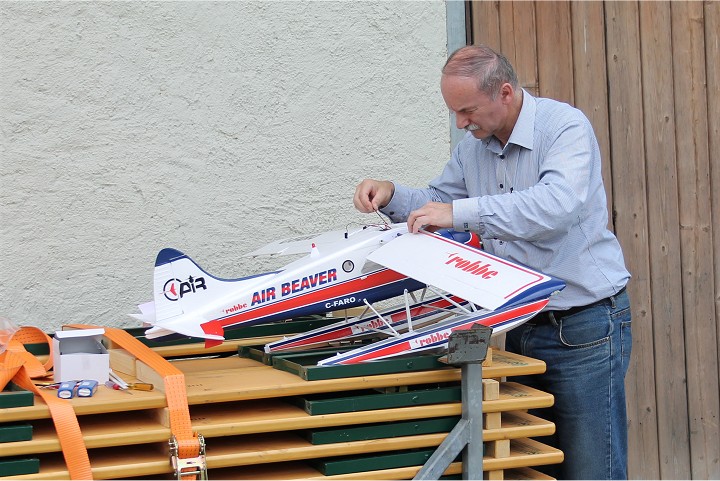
(712, 65)
(590, 81)
(663, 217)
(703, 391)
(486, 23)
(518, 41)
(555, 51)
(628, 153)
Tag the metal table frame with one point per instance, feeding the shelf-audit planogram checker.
(467, 348)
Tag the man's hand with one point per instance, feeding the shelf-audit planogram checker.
(372, 195)
(432, 216)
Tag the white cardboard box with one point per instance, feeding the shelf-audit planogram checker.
(79, 355)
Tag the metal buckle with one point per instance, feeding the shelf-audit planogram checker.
(196, 466)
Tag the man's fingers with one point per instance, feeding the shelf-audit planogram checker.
(363, 197)
(371, 195)
(415, 221)
(432, 216)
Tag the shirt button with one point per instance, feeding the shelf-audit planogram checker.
(392, 213)
(501, 242)
(502, 156)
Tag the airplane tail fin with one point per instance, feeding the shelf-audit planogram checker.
(181, 286)
(175, 278)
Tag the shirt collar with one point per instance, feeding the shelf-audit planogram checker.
(524, 131)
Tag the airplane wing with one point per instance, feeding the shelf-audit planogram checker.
(184, 328)
(303, 244)
(297, 245)
(486, 280)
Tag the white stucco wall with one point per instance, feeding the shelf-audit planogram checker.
(207, 127)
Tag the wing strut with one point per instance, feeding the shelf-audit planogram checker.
(444, 296)
(395, 333)
(407, 311)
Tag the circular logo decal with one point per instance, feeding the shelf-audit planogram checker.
(171, 290)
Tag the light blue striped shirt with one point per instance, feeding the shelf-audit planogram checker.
(539, 201)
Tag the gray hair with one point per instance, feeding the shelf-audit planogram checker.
(490, 68)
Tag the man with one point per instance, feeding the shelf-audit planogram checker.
(526, 178)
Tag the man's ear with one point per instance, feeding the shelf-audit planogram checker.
(507, 93)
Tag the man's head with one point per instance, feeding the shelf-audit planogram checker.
(480, 86)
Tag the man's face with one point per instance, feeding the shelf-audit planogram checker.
(474, 110)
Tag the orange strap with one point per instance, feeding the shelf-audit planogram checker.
(174, 381)
(19, 366)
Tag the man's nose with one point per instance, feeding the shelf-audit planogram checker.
(461, 121)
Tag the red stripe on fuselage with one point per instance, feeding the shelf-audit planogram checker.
(346, 288)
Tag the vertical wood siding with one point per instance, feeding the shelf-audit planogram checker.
(647, 75)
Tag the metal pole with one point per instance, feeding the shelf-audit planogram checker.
(472, 396)
(468, 349)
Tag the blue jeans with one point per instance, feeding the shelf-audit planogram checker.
(587, 355)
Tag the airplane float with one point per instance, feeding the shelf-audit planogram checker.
(446, 282)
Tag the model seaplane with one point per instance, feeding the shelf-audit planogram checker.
(445, 280)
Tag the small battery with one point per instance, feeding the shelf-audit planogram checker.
(66, 389)
(87, 388)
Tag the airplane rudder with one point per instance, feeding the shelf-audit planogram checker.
(174, 274)
(168, 255)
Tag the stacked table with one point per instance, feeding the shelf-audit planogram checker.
(262, 422)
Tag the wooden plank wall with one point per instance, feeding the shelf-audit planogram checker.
(647, 76)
